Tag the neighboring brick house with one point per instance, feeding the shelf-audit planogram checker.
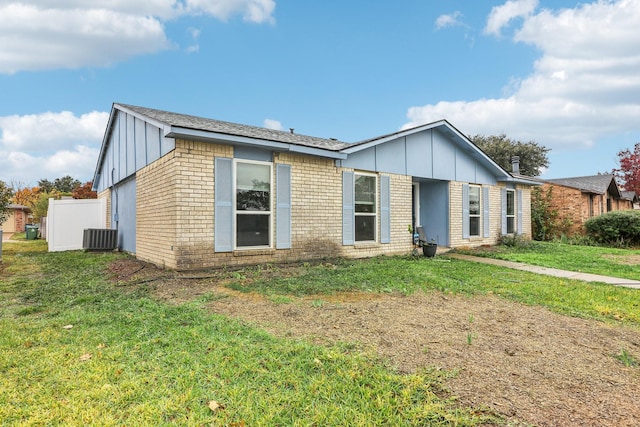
(632, 198)
(187, 192)
(580, 198)
(18, 217)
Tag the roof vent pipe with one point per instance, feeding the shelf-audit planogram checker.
(291, 130)
(515, 164)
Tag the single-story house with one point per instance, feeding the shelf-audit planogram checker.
(188, 192)
(577, 199)
(19, 216)
(632, 198)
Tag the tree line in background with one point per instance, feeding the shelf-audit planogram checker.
(37, 198)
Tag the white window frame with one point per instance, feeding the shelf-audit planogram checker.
(513, 214)
(237, 212)
(375, 214)
(479, 214)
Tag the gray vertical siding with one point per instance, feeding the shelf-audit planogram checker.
(132, 145)
(123, 199)
(428, 154)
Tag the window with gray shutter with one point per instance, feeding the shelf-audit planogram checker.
(283, 206)
(385, 209)
(223, 204)
(347, 208)
(486, 226)
(465, 211)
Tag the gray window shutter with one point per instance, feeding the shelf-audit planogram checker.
(519, 207)
(347, 208)
(485, 212)
(223, 205)
(283, 206)
(503, 213)
(465, 211)
(385, 209)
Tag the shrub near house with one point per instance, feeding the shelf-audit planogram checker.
(620, 228)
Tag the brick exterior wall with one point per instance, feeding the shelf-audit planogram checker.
(106, 194)
(495, 216)
(175, 212)
(577, 207)
(15, 222)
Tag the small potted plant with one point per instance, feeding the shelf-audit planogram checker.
(429, 249)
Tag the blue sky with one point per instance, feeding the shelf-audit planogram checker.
(562, 73)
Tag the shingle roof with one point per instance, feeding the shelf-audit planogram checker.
(235, 129)
(21, 207)
(629, 195)
(598, 184)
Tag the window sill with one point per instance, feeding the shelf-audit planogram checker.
(253, 252)
(366, 245)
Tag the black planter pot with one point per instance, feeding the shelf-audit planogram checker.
(429, 249)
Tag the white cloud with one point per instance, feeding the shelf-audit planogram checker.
(585, 86)
(195, 35)
(501, 16)
(41, 35)
(257, 11)
(451, 20)
(50, 145)
(272, 124)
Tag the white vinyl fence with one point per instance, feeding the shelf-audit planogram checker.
(67, 219)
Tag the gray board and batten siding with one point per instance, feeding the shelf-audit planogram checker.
(428, 154)
(134, 143)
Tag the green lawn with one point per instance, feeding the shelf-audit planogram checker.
(408, 274)
(614, 262)
(75, 350)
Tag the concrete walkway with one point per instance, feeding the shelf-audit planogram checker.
(586, 277)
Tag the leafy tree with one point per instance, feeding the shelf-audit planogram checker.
(533, 157)
(41, 206)
(5, 199)
(45, 185)
(84, 191)
(66, 184)
(26, 196)
(546, 223)
(628, 174)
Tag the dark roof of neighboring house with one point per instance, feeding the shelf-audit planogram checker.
(629, 195)
(235, 129)
(598, 184)
(20, 207)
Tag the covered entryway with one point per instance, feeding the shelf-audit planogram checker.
(430, 201)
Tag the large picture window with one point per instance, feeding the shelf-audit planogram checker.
(474, 210)
(511, 211)
(365, 207)
(252, 204)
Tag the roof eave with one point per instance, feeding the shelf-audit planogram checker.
(105, 138)
(518, 179)
(208, 136)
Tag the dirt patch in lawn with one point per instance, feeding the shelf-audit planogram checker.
(526, 363)
(624, 259)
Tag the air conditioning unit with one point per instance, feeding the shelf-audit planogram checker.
(99, 239)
